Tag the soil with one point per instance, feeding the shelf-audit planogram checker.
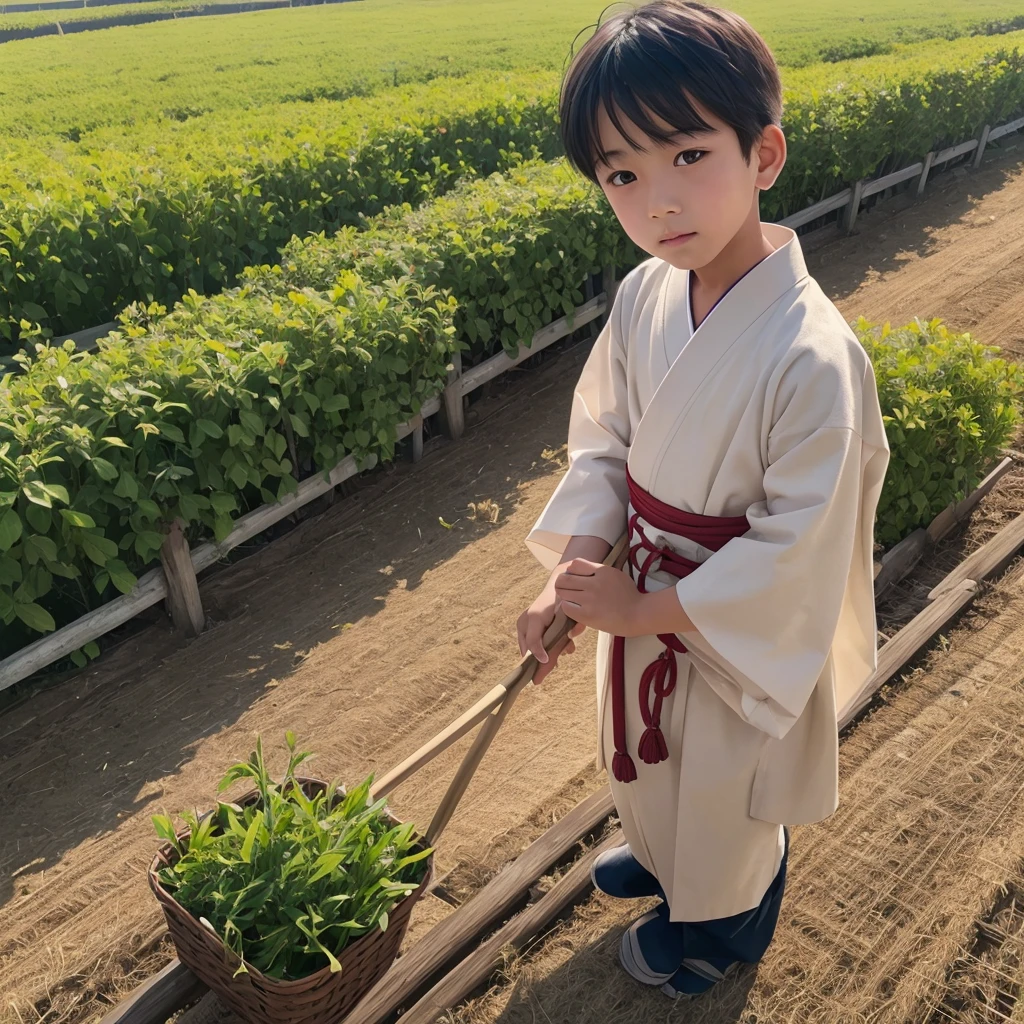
(371, 625)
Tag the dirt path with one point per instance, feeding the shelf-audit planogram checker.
(153, 724)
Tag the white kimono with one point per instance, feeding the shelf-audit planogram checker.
(768, 411)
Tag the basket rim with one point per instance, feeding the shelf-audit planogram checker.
(163, 895)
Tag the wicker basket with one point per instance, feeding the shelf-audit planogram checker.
(320, 998)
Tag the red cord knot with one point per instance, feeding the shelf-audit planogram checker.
(712, 532)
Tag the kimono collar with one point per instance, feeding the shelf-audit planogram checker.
(739, 309)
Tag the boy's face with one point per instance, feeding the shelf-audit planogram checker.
(699, 186)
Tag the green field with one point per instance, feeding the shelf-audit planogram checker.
(121, 76)
(69, 18)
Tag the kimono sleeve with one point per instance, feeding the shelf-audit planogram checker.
(592, 497)
(767, 605)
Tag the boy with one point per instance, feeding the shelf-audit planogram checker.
(727, 418)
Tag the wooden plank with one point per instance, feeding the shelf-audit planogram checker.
(156, 999)
(491, 368)
(948, 518)
(992, 557)
(262, 518)
(183, 600)
(899, 560)
(150, 590)
(450, 939)
(880, 184)
(481, 963)
(86, 340)
(954, 151)
(1006, 129)
(819, 209)
(906, 643)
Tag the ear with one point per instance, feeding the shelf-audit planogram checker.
(770, 155)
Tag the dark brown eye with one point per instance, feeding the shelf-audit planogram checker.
(698, 153)
(612, 177)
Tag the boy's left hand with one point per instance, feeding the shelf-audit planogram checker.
(599, 596)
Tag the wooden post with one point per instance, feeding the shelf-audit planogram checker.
(609, 286)
(982, 143)
(417, 441)
(183, 601)
(854, 208)
(588, 293)
(416, 422)
(924, 174)
(452, 413)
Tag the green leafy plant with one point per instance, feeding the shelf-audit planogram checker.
(514, 248)
(288, 881)
(949, 405)
(219, 406)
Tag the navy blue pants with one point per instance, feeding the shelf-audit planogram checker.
(744, 937)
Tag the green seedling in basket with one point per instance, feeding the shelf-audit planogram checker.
(289, 880)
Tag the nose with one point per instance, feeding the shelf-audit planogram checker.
(663, 201)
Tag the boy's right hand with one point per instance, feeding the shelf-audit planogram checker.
(531, 627)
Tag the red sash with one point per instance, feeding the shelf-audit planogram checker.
(709, 531)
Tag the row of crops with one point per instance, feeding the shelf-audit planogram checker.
(29, 24)
(221, 404)
(87, 227)
(67, 87)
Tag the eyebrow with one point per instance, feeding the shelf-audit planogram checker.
(614, 154)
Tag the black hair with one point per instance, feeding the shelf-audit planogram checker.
(652, 60)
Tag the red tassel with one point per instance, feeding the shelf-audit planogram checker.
(623, 768)
(653, 748)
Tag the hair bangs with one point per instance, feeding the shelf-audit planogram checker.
(651, 64)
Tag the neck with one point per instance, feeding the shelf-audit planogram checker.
(745, 250)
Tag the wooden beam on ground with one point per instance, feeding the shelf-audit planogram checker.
(948, 518)
(992, 557)
(907, 642)
(450, 939)
(481, 963)
(899, 560)
(155, 1000)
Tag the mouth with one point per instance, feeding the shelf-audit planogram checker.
(678, 239)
